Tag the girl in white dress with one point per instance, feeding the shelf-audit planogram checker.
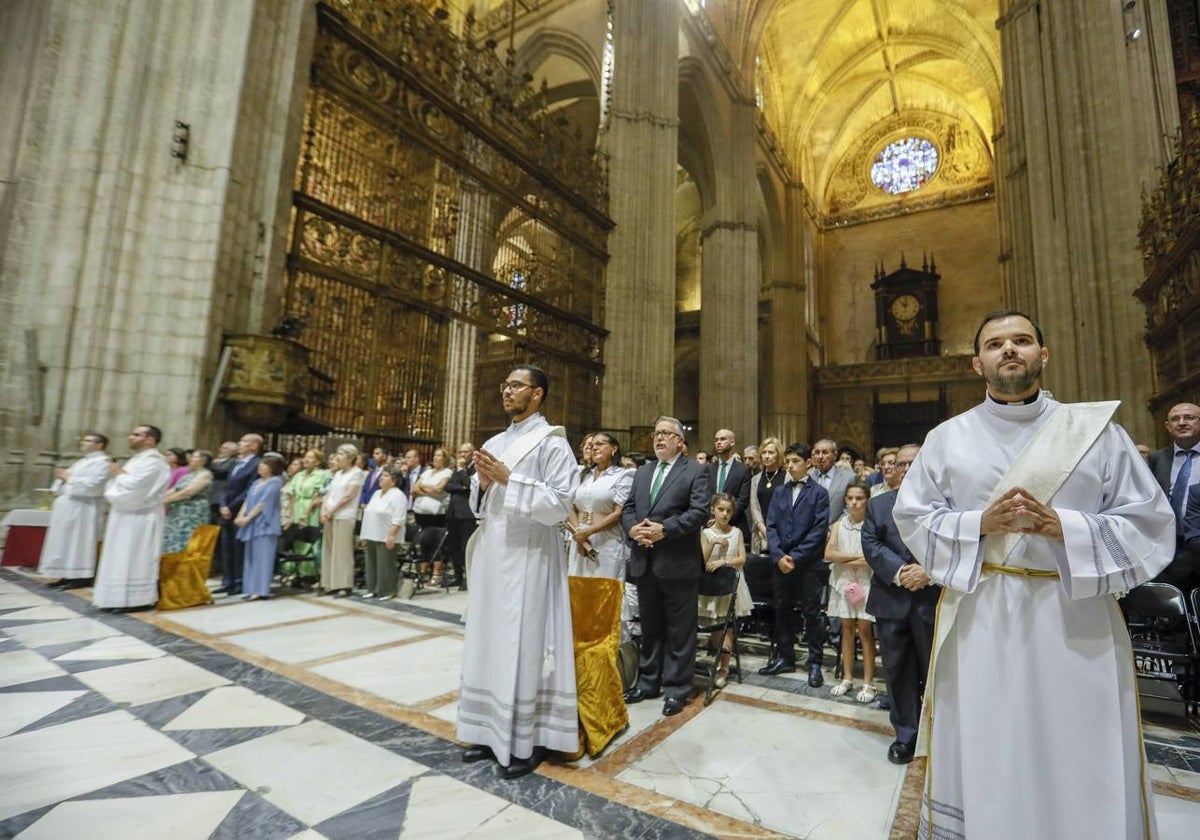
(723, 546)
(849, 583)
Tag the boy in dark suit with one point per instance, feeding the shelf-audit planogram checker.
(797, 524)
(663, 517)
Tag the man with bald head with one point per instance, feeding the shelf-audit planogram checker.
(1177, 469)
(727, 474)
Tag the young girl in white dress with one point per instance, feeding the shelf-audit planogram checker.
(849, 583)
(722, 545)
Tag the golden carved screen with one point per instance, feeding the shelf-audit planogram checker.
(434, 187)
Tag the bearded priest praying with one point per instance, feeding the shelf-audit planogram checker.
(1032, 514)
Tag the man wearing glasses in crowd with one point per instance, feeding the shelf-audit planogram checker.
(1177, 468)
(662, 520)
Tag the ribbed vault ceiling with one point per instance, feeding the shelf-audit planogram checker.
(831, 70)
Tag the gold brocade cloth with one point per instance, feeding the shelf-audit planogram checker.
(182, 574)
(596, 620)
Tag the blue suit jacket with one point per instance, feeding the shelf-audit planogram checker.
(798, 530)
(885, 553)
(238, 483)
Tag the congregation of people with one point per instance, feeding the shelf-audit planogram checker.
(867, 550)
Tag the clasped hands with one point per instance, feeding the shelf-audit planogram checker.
(646, 533)
(1019, 512)
(489, 468)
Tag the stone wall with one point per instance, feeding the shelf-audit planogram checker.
(124, 263)
(965, 243)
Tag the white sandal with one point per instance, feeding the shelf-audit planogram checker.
(841, 688)
(867, 695)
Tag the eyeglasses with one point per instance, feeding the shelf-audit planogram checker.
(663, 433)
(513, 387)
(903, 465)
(1182, 418)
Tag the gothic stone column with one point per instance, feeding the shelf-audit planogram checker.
(1073, 161)
(729, 284)
(640, 138)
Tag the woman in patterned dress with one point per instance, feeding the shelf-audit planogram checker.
(187, 502)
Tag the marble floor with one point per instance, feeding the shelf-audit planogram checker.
(311, 718)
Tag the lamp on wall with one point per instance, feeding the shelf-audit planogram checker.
(179, 141)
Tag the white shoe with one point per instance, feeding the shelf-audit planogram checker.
(841, 688)
(866, 695)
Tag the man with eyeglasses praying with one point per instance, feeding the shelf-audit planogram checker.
(663, 516)
(127, 578)
(1031, 514)
(518, 698)
(69, 552)
(1177, 468)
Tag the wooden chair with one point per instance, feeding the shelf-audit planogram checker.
(182, 574)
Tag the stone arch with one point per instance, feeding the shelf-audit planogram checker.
(571, 73)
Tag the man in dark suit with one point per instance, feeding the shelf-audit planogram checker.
(1177, 468)
(241, 476)
(797, 524)
(904, 603)
(460, 519)
(381, 461)
(726, 474)
(666, 510)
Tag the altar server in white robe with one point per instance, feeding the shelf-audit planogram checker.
(518, 696)
(69, 551)
(128, 575)
(1032, 514)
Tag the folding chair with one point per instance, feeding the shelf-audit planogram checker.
(1162, 631)
(758, 579)
(289, 562)
(714, 585)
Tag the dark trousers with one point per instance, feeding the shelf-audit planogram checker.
(668, 614)
(232, 553)
(801, 586)
(457, 533)
(907, 643)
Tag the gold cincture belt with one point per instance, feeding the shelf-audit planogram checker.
(1017, 570)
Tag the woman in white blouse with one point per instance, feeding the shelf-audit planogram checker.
(598, 546)
(338, 513)
(382, 522)
(430, 503)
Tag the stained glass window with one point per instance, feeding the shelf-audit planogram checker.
(905, 165)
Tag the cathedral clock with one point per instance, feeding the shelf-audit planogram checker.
(906, 311)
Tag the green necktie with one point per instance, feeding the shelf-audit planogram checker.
(721, 477)
(658, 480)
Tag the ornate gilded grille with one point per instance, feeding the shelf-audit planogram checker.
(433, 186)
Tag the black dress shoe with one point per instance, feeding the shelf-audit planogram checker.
(477, 752)
(76, 583)
(777, 666)
(815, 678)
(519, 767)
(672, 706)
(900, 752)
(637, 695)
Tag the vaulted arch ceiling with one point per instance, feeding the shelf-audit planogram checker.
(831, 70)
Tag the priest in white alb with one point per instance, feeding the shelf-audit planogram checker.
(1032, 514)
(128, 575)
(518, 696)
(69, 551)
